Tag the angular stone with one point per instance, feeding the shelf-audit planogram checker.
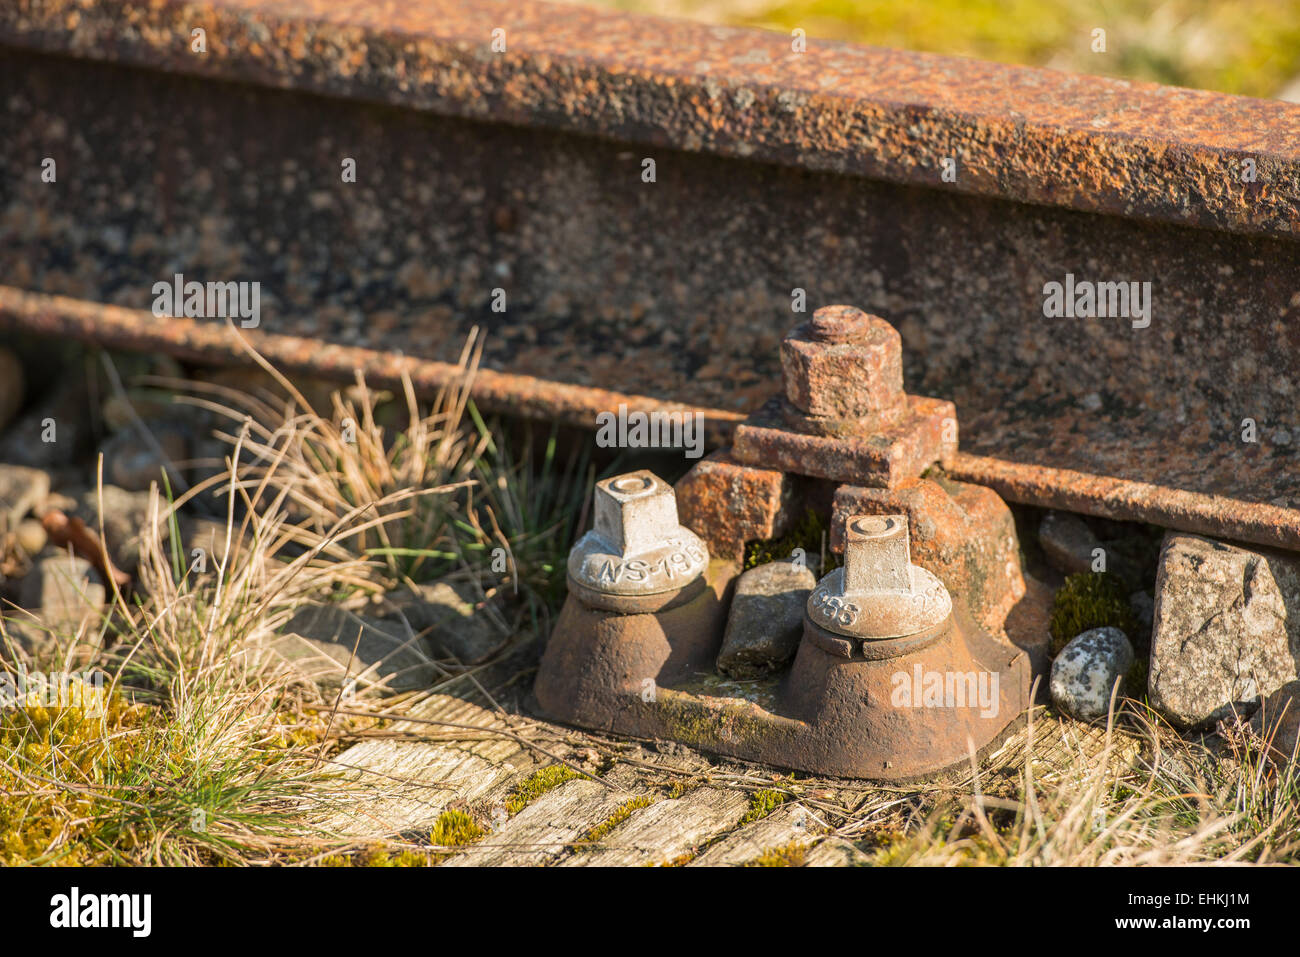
(452, 618)
(1086, 671)
(1226, 629)
(21, 490)
(728, 504)
(766, 619)
(63, 590)
(964, 534)
(1067, 542)
(319, 641)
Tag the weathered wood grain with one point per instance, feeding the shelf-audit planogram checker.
(789, 823)
(668, 830)
(392, 786)
(547, 829)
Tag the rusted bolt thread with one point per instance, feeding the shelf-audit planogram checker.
(839, 324)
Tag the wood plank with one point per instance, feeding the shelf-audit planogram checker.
(391, 786)
(835, 852)
(664, 832)
(788, 824)
(544, 831)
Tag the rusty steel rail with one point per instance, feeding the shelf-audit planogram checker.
(776, 171)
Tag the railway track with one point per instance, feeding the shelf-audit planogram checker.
(502, 155)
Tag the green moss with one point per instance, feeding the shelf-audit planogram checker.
(681, 788)
(1089, 600)
(602, 830)
(763, 803)
(92, 747)
(455, 828)
(378, 857)
(536, 784)
(1136, 679)
(793, 854)
(808, 534)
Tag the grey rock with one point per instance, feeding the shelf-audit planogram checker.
(55, 431)
(766, 619)
(1226, 628)
(1277, 722)
(132, 462)
(63, 590)
(21, 490)
(1086, 671)
(1067, 542)
(318, 642)
(453, 618)
(125, 516)
(12, 386)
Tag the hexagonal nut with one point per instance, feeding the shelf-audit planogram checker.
(852, 379)
(638, 546)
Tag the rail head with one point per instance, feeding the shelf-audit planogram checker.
(1087, 143)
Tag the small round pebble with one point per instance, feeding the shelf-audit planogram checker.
(1085, 672)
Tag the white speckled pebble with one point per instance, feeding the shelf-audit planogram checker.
(1085, 672)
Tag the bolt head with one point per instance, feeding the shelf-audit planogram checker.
(876, 554)
(635, 511)
(878, 593)
(844, 364)
(637, 546)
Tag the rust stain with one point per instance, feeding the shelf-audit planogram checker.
(1088, 143)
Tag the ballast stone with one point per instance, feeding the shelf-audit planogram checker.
(1086, 671)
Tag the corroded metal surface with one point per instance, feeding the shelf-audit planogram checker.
(834, 713)
(728, 503)
(775, 172)
(963, 533)
(1088, 143)
(778, 435)
(116, 326)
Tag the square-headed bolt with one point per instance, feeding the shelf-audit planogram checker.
(844, 364)
(635, 512)
(878, 593)
(637, 549)
(876, 554)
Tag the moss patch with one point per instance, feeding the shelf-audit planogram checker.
(94, 747)
(602, 830)
(455, 828)
(536, 784)
(793, 854)
(763, 803)
(1089, 600)
(809, 533)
